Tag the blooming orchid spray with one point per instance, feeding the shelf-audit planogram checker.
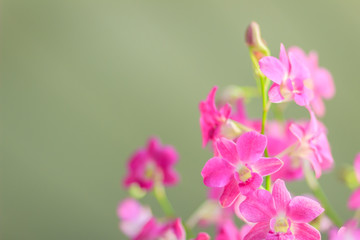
(252, 161)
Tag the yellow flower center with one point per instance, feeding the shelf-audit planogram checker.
(281, 225)
(150, 170)
(244, 173)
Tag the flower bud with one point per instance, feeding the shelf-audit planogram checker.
(253, 36)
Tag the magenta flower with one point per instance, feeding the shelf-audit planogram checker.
(212, 119)
(280, 144)
(202, 236)
(354, 201)
(278, 216)
(173, 230)
(228, 231)
(349, 231)
(239, 167)
(150, 164)
(312, 145)
(136, 221)
(321, 82)
(290, 77)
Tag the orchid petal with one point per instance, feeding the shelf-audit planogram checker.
(251, 184)
(303, 209)
(231, 192)
(354, 201)
(266, 166)
(227, 150)
(273, 68)
(357, 167)
(281, 195)
(258, 231)
(299, 69)
(304, 231)
(258, 207)
(274, 93)
(217, 172)
(251, 146)
(283, 57)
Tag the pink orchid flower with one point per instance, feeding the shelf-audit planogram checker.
(136, 221)
(349, 231)
(280, 140)
(212, 119)
(150, 164)
(228, 231)
(313, 145)
(290, 77)
(173, 230)
(354, 201)
(202, 236)
(239, 167)
(278, 216)
(321, 82)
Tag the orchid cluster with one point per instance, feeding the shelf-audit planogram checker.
(252, 161)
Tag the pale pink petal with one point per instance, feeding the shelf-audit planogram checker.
(258, 207)
(251, 184)
(259, 231)
(275, 94)
(227, 150)
(357, 167)
(251, 146)
(225, 110)
(299, 69)
(303, 209)
(266, 166)
(318, 106)
(217, 172)
(283, 57)
(324, 83)
(297, 131)
(300, 99)
(272, 68)
(230, 193)
(354, 200)
(281, 195)
(303, 231)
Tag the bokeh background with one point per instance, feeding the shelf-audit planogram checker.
(84, 83)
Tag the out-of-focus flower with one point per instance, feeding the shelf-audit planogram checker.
(349, 231)
(154, 163)
(278, 216)
(321, 82)
(136, 221)
(312, 145)
(239, 167)
(354, 201)
(289, 75)
(228, 231)
(202, 236)
(173, 230)
(213, 122)
(280, 144)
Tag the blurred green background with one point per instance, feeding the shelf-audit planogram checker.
(84, 83)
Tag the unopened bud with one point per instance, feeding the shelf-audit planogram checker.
(254, 41)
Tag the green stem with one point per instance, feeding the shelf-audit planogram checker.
(160, 195)
(320, 195)
(266, 106)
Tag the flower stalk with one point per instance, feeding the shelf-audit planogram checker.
(318, 192)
